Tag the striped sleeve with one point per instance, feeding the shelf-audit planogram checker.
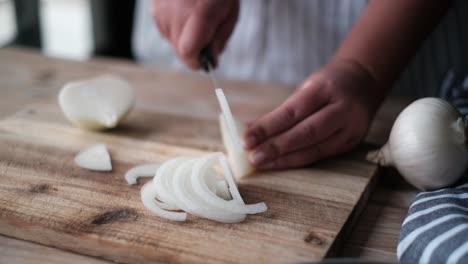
(436, 228)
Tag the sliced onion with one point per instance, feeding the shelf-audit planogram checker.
(189, 202)
(210, 198)
(227, 114)
(180, 190)
(164, 192)
(146, 170)
(222, 190)
(192, 185)
(147, 197)
(238, 157)
(230, 179)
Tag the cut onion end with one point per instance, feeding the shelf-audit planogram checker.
(95, 157)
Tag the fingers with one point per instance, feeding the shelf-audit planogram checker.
(335, 144)
(196, 34)
(191, 26)
(312, 130)
(224, 31)
(297, 107)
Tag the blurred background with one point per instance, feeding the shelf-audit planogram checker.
(70, 29)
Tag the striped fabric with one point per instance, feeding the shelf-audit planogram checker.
(436, 228)
(456, 92)
(285, 41)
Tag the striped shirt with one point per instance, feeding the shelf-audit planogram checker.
(285, 41)
(436, 228)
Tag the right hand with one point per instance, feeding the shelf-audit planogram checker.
(192, 25)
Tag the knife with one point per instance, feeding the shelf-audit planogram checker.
(207, 62)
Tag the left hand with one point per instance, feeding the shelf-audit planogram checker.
(328, 114)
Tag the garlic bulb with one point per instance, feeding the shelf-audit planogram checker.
(427, 144)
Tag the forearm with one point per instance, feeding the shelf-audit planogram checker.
(387, 34)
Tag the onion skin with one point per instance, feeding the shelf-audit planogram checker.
(427, 145)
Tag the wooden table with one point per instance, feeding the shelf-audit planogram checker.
(374, 237)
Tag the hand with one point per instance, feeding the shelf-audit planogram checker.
(195, 24)
(328, 114)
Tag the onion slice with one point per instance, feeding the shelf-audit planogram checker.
(222, 190)
(164, 191)
(238, 157)
(227, 114)
(95, 157)
(201, 189)
(191, 203)
(146, 170)
(148, 192)
(194, 186)
(230, 179)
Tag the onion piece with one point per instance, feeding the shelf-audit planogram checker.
(165, 206)
(95, 157)
(164, 192)
(201, 189)
(230, 179)
(238, 158)
(97, 103)
(180, 190)
(191, 203)
(148, 192)
(222, 190)
(146, 170)
(232, 129)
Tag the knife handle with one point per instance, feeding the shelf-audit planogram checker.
(206, 58)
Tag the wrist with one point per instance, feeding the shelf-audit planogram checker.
(368, 87)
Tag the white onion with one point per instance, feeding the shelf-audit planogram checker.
(222, 190)
(147, 197)
(164, 191)
(191, 203)
(95, 157)
(427, 144)
(201, 189)
(97, 103)
(146, 170)
(230, 179)
(192, 185)
(225, 109)
(238, 157)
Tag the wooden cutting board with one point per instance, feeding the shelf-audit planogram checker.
(45, 198)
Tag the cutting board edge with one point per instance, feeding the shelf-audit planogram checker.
(347, 228)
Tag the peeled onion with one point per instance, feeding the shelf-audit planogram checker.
(97, 103)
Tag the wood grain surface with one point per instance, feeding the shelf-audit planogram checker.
(27, 78)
